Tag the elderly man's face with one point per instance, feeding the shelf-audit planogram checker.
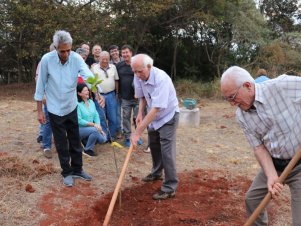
(86, 47)
(96, 51)
(63, 51)
(141, 71)
(241, 96)
(104, 61)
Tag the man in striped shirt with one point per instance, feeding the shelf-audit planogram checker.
(270, 115)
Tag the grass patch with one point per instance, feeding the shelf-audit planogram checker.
(197, 90)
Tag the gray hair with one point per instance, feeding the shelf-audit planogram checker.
(147, 60)
(82, 52)
(238, 74)
(51, 47)
(104, 53)
(61, 37)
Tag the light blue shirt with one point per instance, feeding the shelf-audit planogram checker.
(87, 114)
(159, 92)
(261, 78)
(58, 81)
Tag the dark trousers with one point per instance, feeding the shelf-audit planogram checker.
(67, 141)
(162, 143)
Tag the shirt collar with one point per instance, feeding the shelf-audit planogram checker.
(259, 97)
(151, 78)
(58, 60)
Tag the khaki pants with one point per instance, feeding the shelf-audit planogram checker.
(258, 190)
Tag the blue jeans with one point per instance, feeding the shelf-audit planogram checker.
(118, 123)
(102, 117)
(92, 135)
(110, 110)
(46, 130)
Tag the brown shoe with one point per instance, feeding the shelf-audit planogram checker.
(47, 153)
(161, 195)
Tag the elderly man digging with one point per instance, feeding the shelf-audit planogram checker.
(270, 116)
(155, 90)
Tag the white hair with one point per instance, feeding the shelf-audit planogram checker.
(104, 53)
(238, 74)
(51, 47)
(61, 37)
(146, 59)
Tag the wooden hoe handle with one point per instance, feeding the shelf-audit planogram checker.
(117, 188)
(268, 196)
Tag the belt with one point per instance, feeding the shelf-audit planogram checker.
(107, 92)
(280, 164)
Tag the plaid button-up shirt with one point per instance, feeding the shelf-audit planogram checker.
(276, 121)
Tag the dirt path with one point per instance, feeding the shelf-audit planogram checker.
(214, 161)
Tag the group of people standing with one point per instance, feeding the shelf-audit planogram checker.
(77, 116)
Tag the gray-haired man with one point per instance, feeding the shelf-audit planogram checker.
(58, 80)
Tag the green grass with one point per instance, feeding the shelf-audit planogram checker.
(197, 90)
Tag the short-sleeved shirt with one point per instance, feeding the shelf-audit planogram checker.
(159, 92)
(108, 77)
(126, 81)
(276, 121)
(59, 81)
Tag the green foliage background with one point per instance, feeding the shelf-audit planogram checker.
(190, 39)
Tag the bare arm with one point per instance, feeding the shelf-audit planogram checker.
(141, 125)
(41, 115)
(265, 160)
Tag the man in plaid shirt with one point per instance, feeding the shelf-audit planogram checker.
(270, 115)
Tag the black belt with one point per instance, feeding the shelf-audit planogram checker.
(280, 164)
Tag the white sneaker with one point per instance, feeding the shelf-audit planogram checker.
(146, 150)
(47, 153)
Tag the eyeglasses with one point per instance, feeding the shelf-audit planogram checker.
(232, 97)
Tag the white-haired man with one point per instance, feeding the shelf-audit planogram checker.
(270, 116)
(155, 90)
(58, 79)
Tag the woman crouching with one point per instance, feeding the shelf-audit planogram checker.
(90, 130)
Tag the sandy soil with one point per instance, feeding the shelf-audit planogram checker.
(214, 162)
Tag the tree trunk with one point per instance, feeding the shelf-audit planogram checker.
(174, 60)
(19, 58)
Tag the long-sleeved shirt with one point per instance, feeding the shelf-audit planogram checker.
(86, 115)
(59, 81)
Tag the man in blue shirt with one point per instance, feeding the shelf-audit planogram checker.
(155, 90)
(57, 78)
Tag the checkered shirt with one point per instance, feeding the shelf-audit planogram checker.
(276, 121)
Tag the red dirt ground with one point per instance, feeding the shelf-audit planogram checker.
(203, 198)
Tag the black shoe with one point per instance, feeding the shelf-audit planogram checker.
(89, 153)
(150, 177)
(39, 139)
(82, 175)
(161, 195)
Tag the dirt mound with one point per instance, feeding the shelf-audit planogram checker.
(203, 198)
(14, 166)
